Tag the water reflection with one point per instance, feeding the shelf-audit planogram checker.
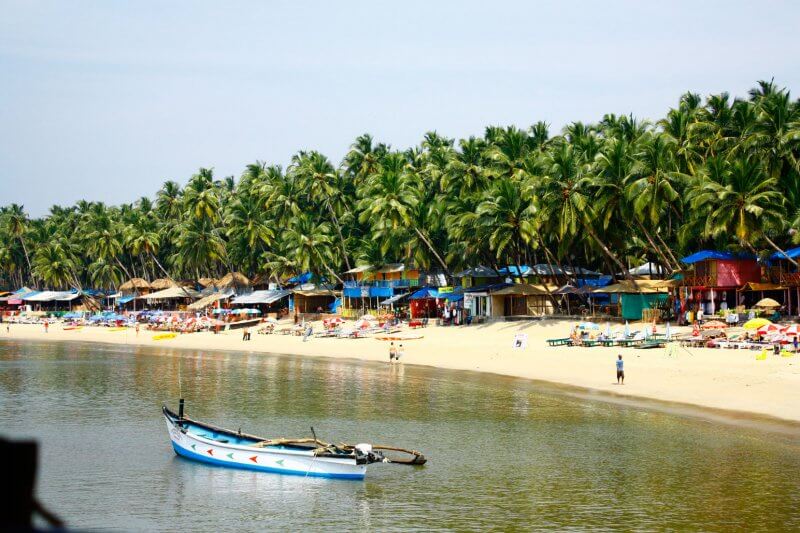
(503, 453)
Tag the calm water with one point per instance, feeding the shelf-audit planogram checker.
(504, 454)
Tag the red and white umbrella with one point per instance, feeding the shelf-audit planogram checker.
(367, 317)
(363, 324)
(769, 328)
(335, 321)
(792, 331)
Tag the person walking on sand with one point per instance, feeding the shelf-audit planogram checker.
(46, 325)
(246, 334)
(620, 371)
(392, 352)
(137, 329)
(400, 353)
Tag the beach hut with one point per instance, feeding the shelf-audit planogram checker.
(635, 298)
(522, 299)
(314, 301)
(366, 286)
(161, 284)
(786, 275)
(714, 279)
(234, 280)
(135, 285)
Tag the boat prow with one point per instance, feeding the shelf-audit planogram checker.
(303, 457)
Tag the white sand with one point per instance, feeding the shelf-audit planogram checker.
(716, 378)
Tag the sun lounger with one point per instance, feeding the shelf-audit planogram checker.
(651, 344)
(560, 342)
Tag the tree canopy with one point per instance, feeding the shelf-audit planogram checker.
(721, 172)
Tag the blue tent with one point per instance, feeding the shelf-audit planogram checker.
(515, 270)
(335, 305)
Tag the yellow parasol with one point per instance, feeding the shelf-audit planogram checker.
(756, 323)
(767, 302)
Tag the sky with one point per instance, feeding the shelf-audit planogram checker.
(104, 101)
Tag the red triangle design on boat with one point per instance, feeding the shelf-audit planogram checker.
(254, 458)
(211, 451)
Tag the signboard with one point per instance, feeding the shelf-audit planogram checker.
(365, 292)
(445, 290)
(521, 341)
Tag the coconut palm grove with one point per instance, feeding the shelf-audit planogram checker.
(716, 171)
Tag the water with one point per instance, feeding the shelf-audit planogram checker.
(503, 453)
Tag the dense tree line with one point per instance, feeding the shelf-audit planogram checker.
(717, 173)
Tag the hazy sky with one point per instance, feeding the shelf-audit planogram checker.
(107, 100)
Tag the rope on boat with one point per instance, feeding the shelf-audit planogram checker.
(417, 458)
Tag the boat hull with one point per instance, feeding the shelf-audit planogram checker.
(268, 459)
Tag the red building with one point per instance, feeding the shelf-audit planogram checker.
(714, 279)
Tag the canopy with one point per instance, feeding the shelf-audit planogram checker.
(396, 298)
(426, 292)
(51, 296)
(705, 255)
(754, 286)
(315, 292)
(646, 269)
(360, 269)
(172, 292)
(261, 297)
(124, 299)
(302, 278)
(204, 302)
(207, 282)
(767, 302)
(391, 267)
(756, 323)
(793, 253)
(627, 287)
(479, 271)
(522, 289)
(567, 289)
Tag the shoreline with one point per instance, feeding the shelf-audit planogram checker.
(727, 386)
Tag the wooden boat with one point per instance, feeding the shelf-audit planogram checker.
(164, 336)
(72, 328)
(304, 457)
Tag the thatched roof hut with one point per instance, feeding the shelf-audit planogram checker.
(207, 282)
(162, 283)
(233, 280)
(134, 283)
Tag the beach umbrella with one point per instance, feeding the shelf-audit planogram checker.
(767, 302)
(362, 324)
(715, 324)
(272, 320)
(608, 329)
(367, 317)
(627, 329)
(756, 323)
(668, 332)
(335, 321)
(769, 328)
(792, 331)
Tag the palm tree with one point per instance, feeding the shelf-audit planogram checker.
(16, 223)
(55, 265)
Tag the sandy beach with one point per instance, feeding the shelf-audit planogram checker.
(712, 378)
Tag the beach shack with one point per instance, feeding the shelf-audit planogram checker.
(315, 300)
(642, 300)
(786, 275)
(713, 280)
(367, 286)
(522, 299)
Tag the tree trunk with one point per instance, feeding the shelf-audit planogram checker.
(430, 247)
(669, 251)
(610, 254)
(658, 251)
(792, 261)
(339, 231)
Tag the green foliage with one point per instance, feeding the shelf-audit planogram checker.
(721, 172)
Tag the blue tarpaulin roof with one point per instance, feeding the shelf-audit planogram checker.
(125, 299)
(790, 254)
(514, 270)
(302, 278)
(704, 255)
(427, 292)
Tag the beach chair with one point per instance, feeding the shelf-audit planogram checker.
(566, 341)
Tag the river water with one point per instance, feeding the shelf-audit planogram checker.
(503, 453)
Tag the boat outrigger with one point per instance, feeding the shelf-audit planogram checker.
(305, 456)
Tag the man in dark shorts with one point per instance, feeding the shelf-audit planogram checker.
(620, 371)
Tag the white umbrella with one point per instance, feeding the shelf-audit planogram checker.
(272, 320)
(627, 329)
(608, 329)
(367, 317)
(668, 332)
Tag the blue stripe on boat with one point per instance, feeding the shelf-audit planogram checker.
(218, 462)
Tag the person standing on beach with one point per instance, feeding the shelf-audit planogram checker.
(400, 353)
(46, 325)
(392, 352)
(137, 329)
(620, 371)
